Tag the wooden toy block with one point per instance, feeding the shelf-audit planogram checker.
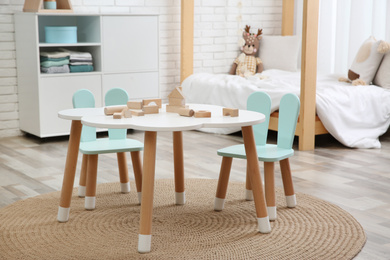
(158, 101)
(177, 101)
(150, 109)
(176, 93)
(126, 113)
(113, 109)
(174, 109)
(134, 104)
(137, 112)
(186, 112)
(233, 112)
(202, 113)
(117, 115)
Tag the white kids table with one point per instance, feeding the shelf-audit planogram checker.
(151, 124)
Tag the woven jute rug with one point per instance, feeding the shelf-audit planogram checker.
(315, 229)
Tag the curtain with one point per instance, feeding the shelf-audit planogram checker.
(343, 26)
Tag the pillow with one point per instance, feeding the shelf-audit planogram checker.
(367, 61)
(279, 52)
(382, 77)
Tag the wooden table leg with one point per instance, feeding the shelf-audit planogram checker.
(70, 171)
(255, 178)
(145, 231)
(179, 167)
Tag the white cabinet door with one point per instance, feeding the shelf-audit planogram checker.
(130, 43)
(56, 94)
(138, 85)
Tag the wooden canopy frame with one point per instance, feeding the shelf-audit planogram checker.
(309, 124)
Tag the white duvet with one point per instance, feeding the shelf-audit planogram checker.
(355, 115)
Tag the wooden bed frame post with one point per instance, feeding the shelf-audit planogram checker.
(288, 17)
(308, 74)
(187, 39)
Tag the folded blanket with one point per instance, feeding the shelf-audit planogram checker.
(49, 63)
(43, 58)
(80, 63)
(58, 69)
(78, 54)
(55, 54)
(81, 68)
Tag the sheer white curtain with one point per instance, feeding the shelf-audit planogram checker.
(343, 26)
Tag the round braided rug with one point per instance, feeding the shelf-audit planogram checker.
(315, 229)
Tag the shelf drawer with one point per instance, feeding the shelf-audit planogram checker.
(138, 85)
(56, 94)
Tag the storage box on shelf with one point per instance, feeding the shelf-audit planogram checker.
(119, 60)
(52, 6)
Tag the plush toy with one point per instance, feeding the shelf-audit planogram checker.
(247, 64)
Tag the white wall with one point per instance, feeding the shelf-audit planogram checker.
(215, 39)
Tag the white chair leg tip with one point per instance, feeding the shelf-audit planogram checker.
(63, 214)
(219, 204)
(144, 243)
(81, 191)
(272, 213)
(264, 225)
(291, 201)
(125, 187)
(90, 203)
(180, 198)
(248, 194)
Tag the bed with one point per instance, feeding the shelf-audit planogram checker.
(350, 123)
(355, 115)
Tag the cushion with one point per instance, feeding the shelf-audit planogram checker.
(366, 61)
(279, 52)
(382, 77)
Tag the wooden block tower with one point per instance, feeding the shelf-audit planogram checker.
(176, 101)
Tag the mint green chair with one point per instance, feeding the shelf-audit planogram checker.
(117, 142)
(268, 153)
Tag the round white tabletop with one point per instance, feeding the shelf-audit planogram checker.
(78, 113)
(166, 121)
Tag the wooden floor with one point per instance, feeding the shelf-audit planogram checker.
(358, 180)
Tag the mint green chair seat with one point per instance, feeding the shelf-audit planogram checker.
(117, 142)
(268, 153)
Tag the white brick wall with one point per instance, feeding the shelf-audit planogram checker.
(217, 23)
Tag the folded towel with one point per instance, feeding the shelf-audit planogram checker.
(58, 69)
(81, 68)
(55, 54)
(77, 54)
(80, 60)
(43, 58)
(80, 63)
(49, 63)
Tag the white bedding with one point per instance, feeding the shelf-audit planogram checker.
(355, 115)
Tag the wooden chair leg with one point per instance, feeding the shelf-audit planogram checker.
(223, 180)
(269, 180)
(123, 172)
(90, 194)
(137, 168)
(248, 185)
(83, 176)
(178, 161)
(288, 183)
(257, 186)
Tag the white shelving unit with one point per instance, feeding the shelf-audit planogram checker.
(125, 54)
